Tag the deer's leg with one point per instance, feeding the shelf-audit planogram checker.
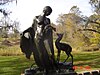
(71, 57)
(66, 58)
(58, 56)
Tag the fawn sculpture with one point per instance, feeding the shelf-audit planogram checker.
(63, 47)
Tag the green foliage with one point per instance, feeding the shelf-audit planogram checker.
(96, 39)
(93, 23)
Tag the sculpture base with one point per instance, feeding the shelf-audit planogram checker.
(63, 69)
(66, 65)
(31, 72)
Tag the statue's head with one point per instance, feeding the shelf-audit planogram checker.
(47, 10)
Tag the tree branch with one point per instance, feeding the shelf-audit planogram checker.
(95, 22)
(2, 2)
(89, 30)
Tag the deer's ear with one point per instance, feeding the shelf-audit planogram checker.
(62, 34)
(57, 33)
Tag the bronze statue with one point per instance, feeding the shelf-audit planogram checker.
(38, 39)
(44, 39)
(63, 47)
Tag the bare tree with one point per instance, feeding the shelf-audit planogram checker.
(93, 22)
(96, 5)
(3, 2)
(6, 24)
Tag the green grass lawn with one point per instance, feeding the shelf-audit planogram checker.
(84, 59)
(15, 65)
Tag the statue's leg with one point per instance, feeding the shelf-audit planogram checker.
(37, 55)
(41, 55)
(71, 57)
(66, 59)
(49, 46)
(47, 54)
(58, 56)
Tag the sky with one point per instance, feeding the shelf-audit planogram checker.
(26, 10)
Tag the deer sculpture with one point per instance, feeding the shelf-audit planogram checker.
(63, 47)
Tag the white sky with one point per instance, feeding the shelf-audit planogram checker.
(26, 10)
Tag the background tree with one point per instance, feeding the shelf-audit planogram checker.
(69, 24)
(95, 18)
(79, 30)
(75, 10)
(95, 5)
(3, 2)
(93, 23)
(7, 25)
